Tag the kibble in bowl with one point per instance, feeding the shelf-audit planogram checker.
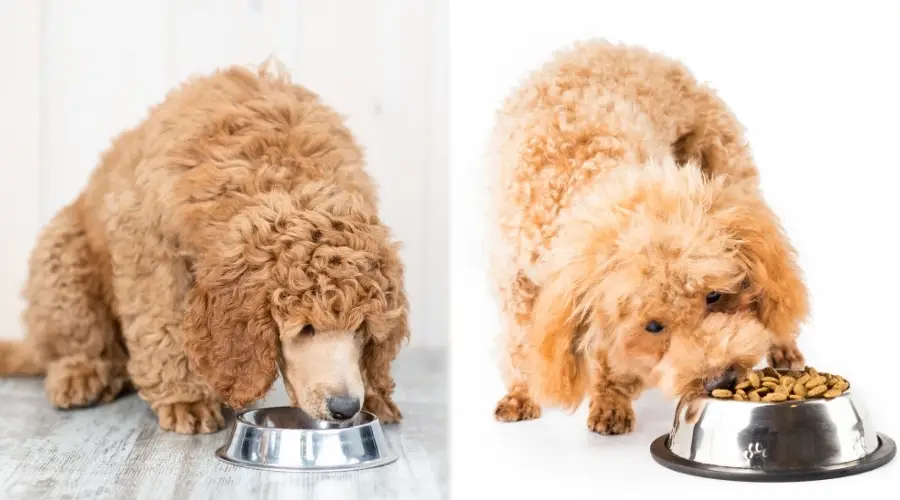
(770, 386)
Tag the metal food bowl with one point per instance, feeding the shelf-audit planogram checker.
(773, 442)
(286, 439)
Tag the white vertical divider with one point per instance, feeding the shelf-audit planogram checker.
(437, 218)
(20, 163)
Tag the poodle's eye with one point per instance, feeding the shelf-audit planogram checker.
(713, 297)
(307, 330)
(654, 327)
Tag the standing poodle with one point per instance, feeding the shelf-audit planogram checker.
(634, 248)
(232, 234)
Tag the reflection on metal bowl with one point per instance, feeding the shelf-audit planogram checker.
(286, 439)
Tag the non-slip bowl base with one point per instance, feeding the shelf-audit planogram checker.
(882, 455)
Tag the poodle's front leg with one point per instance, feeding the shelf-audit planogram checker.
(150, 292)
(160, 371)
(611, 409)
(517, 404)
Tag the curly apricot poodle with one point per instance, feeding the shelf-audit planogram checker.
(633, 247)
(233, 234)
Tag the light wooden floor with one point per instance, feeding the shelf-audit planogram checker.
(117, 451)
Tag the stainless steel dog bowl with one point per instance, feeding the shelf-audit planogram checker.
(286, 439)
(773, 442)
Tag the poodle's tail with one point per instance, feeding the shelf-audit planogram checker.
(16, 358)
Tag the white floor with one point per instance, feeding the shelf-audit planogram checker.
(117, 451)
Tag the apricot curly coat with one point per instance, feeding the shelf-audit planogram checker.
(632, 245)
(231, 225)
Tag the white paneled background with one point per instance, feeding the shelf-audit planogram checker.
(76, 73)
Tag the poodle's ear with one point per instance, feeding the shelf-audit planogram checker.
(393, 326)
(387, 332)
(775, 279)
(558, 376)
(715, 141)
(697, 147)
(231, 339)
(390, 330)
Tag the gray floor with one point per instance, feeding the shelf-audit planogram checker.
(117, 451)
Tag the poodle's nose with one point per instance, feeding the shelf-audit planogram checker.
(343, 407)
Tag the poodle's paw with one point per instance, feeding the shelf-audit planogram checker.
(191, 418)
(80, 382)
(515, 408)
(384, 408)
(786, 357)
(611, 418)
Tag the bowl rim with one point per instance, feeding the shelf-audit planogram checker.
(372, 421)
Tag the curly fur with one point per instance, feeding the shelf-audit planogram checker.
(234, 221)
(624, 193)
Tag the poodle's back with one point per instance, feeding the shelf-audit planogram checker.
(591, 108)
(217, 141)
(213, 147)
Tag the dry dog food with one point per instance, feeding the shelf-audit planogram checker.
(768, 385)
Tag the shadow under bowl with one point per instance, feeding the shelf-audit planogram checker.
(773, 442)
(288, 440)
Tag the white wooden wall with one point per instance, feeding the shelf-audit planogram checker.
(76, 73)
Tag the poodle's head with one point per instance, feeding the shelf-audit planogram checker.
(308, 284)
(678, 279)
